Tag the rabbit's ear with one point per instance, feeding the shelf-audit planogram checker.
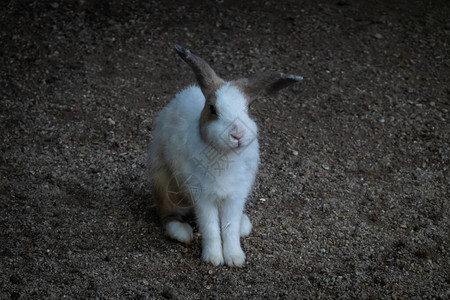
(206, 77)
(266, 83)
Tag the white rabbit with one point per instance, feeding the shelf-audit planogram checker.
(204, 157)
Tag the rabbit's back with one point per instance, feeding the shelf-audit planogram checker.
(182, 110)
(176, 128)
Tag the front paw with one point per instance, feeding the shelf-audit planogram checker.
(234, 256)
(213, 256)
(246, 225)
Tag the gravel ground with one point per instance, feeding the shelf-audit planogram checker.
(352, 197)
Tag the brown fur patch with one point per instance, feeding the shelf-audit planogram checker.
(265, 83)
(171, 204)
(209, 83)
(207, 79)
(206, 116)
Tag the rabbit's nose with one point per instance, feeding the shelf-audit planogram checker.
(235, 133)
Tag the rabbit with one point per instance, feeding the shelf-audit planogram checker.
(204, 156)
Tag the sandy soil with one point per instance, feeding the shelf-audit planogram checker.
(352, 197)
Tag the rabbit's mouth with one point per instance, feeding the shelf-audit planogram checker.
(236, 140)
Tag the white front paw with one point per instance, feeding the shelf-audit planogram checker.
(233, 256)
(213, 255)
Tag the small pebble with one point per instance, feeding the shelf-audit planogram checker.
(378, 36)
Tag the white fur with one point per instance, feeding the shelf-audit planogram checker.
(225, 185)
(179, 231)
(246, 225)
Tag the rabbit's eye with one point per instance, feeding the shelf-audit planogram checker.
(212, 110)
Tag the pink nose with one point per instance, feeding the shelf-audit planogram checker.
(236, 133)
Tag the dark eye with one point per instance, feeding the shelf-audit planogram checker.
(212, 109)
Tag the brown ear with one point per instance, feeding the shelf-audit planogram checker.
(266, 83)
(206, 77)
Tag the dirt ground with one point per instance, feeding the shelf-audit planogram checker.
(352, 196)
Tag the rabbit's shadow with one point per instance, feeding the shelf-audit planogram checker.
(142, 203)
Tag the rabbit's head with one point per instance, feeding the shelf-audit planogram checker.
(224, 120)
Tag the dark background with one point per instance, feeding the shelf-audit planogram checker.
(351, 199)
